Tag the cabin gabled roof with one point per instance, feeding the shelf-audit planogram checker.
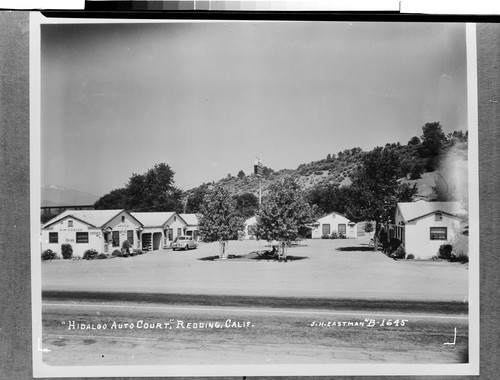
(155, 219)
(411, 211)
(93, 218)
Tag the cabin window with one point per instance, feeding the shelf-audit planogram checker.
(342, 229)
(53, 237)
(175, 218)
(82, 237)
(116, 238)
(70, 223)
(123, 218)
(438, 217)
(326, 229)
(439, 233)
(130, 236)
(179, 231)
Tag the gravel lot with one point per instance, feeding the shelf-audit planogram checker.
(319, 268)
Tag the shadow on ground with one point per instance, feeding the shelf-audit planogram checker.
(356, 249)
(251, 257)
(213, 258)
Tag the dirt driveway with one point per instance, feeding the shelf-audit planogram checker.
(319, 268)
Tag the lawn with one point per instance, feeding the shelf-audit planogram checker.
(322, 268)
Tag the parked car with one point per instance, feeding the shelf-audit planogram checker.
(183, 242)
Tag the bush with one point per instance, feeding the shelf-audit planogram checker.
(139, 252)
(445, 251)
(334, 235)
(325, 236)
(48, 254)
(101, 256)
(66, 251)
(90, 254)
(410, 257)
(460, 245)
(126, 245)
(399, 253)
(117, 253)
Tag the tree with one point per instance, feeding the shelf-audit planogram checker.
(433, 139)
(154, 190)
(369, 228)
(219, 220)
(375, 190)
(241, 174)
(282, 212)
(328, 198)
(247, 204)
(115, 199)
(414, 141)
(195, 199)
(328, 157)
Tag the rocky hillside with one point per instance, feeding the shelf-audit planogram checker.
(337, 169)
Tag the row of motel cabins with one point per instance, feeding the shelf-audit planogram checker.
(421, 226)
(106, 230)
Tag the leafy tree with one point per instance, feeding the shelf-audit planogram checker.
(195, 199)
(219, 220)
(282, 212)
(266, 172)
(356, 150)
(47, 214)
(328, 198)
(414, 141)
(375, 190)
(247, 204)
(369, 227)
(329, 157)
(433, 140)
(154, 190)
(115, 199)
(241, 174)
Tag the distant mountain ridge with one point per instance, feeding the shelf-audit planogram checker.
(54, 195)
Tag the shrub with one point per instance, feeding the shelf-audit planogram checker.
(90, 254)
(117, 253)
(325, 236)
(334, 235)
(399, 253)
(460, 245)
(139, 252)
(445, 251)
(410, 257)
(48, 254)
(101, 256)
(66, 251)
(126, 245)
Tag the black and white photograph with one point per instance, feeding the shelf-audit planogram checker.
(253, 198)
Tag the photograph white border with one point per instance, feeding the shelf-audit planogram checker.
(41, 369)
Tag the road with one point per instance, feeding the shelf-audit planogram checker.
(119, 328)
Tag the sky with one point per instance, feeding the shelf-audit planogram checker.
(208, 97)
